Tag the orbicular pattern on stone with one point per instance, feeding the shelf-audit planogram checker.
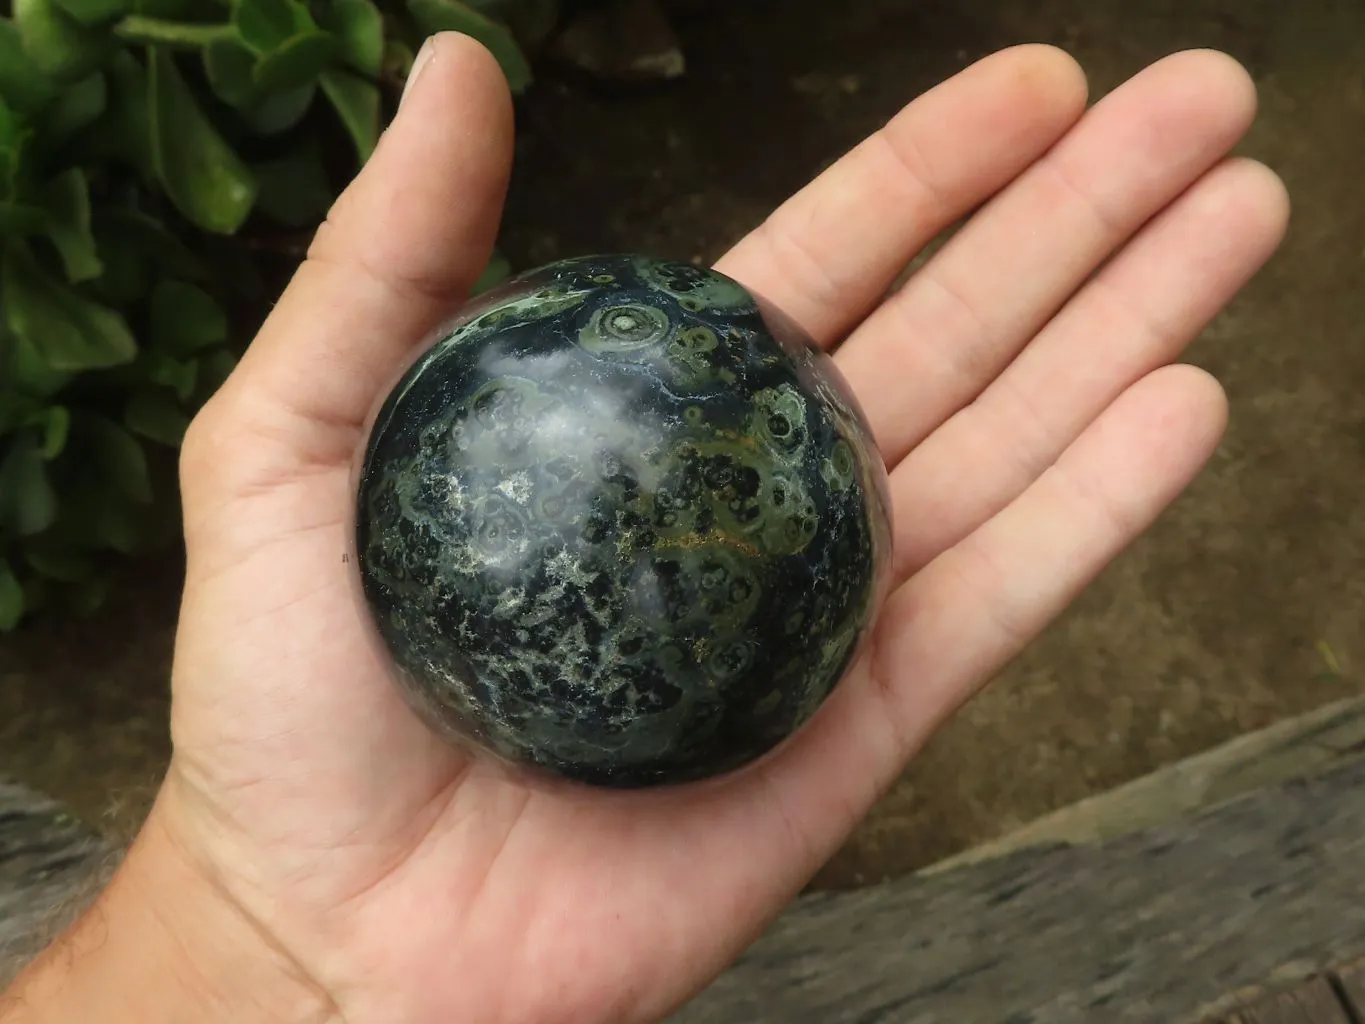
(621, 522)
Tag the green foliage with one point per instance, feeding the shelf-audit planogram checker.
(150, 150)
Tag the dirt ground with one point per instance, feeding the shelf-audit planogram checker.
(1243, 606)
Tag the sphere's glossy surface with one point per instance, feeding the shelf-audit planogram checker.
(621, 522)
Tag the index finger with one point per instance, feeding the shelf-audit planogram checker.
(829, 254)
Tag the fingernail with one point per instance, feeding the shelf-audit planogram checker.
(419, 62)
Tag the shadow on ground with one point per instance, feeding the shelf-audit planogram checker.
(1243, 606)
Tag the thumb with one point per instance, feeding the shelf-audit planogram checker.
(398, 252)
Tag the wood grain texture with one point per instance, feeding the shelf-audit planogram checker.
(50, 866)
(1169, 924)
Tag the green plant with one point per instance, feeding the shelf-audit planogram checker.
(155, 156)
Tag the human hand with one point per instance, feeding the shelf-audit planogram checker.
(1022, 390)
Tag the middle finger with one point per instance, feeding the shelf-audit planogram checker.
(938, 342)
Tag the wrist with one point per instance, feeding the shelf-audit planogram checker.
(163, 943)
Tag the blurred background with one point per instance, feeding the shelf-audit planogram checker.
(135, 269)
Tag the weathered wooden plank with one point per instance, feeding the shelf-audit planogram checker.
(1305, 745)
(50, 866)
(1159, 925)
(1314, 1002)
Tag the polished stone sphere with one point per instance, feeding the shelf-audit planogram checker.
(621, 522)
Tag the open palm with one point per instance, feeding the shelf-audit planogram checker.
(1023, 393)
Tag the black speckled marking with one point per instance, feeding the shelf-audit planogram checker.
(621, 522)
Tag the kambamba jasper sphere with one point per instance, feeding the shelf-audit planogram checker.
(622, 522)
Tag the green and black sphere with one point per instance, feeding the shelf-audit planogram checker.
(622, 522)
